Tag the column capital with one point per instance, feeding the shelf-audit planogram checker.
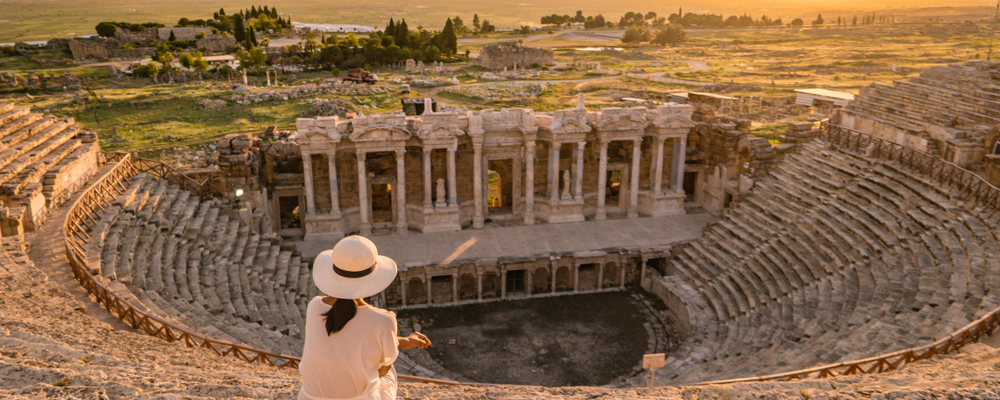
(427, 150)
(452, 149)
(581, 145)
(361, 152)
(401, 151)
(637, 142)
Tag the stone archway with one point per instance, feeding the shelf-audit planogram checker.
(564, 279)
(416, 291)
(468, 289)
(541, 280)
(588, 277)
(491, 285)
(611, 275)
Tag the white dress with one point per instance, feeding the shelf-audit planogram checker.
(345, 365)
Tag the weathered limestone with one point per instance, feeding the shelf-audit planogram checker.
(510, 54)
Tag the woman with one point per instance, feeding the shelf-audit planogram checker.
(350, 345)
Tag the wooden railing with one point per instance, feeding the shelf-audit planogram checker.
(971, 187)
(83, 213)
(163, 171)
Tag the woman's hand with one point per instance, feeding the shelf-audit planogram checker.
(416, 339)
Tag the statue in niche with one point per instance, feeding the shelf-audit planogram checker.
(565, 188)
(745, 183)
(441, 194)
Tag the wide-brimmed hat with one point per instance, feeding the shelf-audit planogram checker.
(353, 269)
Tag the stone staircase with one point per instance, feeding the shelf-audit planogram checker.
(194, 263)
(833, 258)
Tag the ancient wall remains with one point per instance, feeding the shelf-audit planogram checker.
(510, 54)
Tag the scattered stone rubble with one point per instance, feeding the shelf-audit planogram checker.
(327, 108)
(502, 91)
(294, 92)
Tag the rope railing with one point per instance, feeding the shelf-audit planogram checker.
(971, 187)
(82, 215)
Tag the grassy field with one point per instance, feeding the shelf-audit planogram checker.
(26, 20)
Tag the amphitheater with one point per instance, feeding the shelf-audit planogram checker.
(844, 264)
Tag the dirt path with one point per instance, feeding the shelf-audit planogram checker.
(47, 249)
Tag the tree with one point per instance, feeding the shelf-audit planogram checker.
(172, 38)
(449, 42)
(431, 53)
(239, 30)
(732, 21)
(146, 71)
(187, 60)
(579, 17)
(106, 29)
(651, 15)
(819, 20)
(797, 22)
(252, 58)
(222, 11)
(855, 21)
(351, 40)
(524, 30)
(459, 25)
(636, 34)
(403, 35)
(488, 27)
(475, 23)
(671, 35)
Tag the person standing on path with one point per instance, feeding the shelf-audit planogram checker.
(350, 346)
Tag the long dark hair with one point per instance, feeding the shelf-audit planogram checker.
(342, 312)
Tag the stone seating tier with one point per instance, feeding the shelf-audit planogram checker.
(833, 258)
(194, 262)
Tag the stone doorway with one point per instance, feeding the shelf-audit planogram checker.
(616, 193)
(290, 212)
(588, 277)
(515, 283)
(383, 203)
(690, 179)
(658, 264)
(500, 191)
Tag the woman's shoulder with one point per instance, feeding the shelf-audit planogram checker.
(378, 313)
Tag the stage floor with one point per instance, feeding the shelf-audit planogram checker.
(521, 241)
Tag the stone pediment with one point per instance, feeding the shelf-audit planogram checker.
(622, 119)
(315, 136)
(440, 131)
(379, 133)
(509, 118)
(675, 121)
(571, 125)
(673, 116)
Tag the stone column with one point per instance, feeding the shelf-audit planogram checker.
(454, 287)
(578, 178)
(633, 192)
(430, 295)
(552, 268)
(427, 178)
(600, 276)
(576, 278)
(366, 226)
(503, 284)
(307, 172)
(479, 284)
(602, 182)
(621, 283)
(477, 185)
(658, 166)
(452, 184)
(677, 171)
(401, 223)
(554, 167)
(331, 161)
(529, 183)
(528, 289)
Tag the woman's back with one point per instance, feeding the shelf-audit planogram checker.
(345, 365)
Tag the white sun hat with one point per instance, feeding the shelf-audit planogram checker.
(353, 269)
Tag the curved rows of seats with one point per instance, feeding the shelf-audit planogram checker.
(833, 258)
(43, 159)
(196, 265)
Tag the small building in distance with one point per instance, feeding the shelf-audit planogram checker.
(821, 97)
(510, 54)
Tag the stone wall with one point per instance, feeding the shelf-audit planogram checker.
(216, 43)
(510, 54)
(91, 48)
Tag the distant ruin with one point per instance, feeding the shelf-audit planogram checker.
(510, 55)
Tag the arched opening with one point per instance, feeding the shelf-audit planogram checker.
(416, 291)
(491, 285)
(588, 277)
(564, 279)
(441, 289)
(611, 275)
(467, 287)
(541, 280)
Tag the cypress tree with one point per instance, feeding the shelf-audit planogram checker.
(391, 28)
(253, 12)
(274, 13)
(403, 32)
(222, 11)
(449, 42)
(172, 37)
(253, 37)
(239, 31)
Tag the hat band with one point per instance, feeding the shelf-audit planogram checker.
(354, 274)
